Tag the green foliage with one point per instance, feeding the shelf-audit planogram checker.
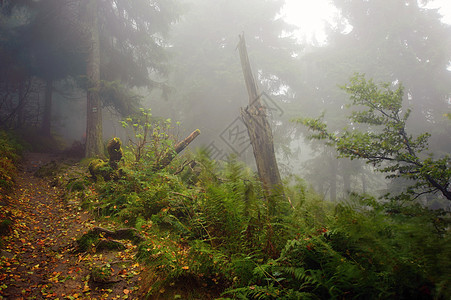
(10, 150)
(207, 223)
(77, 184)
(101, 274)
(100, 169)
(118, 96)
(87, 241)
(11, 146)
(5, 226)
(152, 138)
(363, 253)
(378, 135)
(310, 210)
(167, 258)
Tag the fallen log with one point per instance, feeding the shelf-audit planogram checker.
(179, 147)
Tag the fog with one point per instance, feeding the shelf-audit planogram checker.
(182, 62)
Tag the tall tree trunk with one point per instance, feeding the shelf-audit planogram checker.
(20, 106)
(346, 182)
(94, 145)
(333, 178)
(47, 117)
(260, 134)
(363, 183)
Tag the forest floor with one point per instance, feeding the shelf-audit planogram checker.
(38, 258)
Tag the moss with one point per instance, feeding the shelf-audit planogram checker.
(101, 239)
(101, 274)
(114, 152)
(87, 241)
(109, 245)
(77, 185)
(10, 150)
(5, 227)
(100, 169)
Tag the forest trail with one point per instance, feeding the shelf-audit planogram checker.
(38, 260)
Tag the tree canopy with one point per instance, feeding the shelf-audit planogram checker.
(389, 41)
(384, 141)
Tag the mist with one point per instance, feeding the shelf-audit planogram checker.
(189, 70)
(227, 149)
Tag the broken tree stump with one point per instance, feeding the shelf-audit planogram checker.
(108, 170)
(260, 133)
(114, 152)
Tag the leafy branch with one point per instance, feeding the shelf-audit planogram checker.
(152, 138)
(379, 136)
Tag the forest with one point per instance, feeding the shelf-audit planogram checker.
(200, 149)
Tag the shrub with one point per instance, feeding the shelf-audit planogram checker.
(10, 151)
(208, 225)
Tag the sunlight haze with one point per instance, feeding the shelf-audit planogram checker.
(312, 16)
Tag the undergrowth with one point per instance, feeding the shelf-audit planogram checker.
(207, 225)
(10, 151)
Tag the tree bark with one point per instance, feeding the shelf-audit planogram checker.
(346, 182)
(333, 179)
(47, 117)
(260, 134)
(94, 145)
(363, 183)
(20, 107)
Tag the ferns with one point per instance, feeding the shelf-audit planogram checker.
(306, 278)
(276, 285)
(256, 292)
(364, 254)
(209, 223)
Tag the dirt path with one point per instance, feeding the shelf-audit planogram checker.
(37, 259)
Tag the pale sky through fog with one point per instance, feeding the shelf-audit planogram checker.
(311, 16)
